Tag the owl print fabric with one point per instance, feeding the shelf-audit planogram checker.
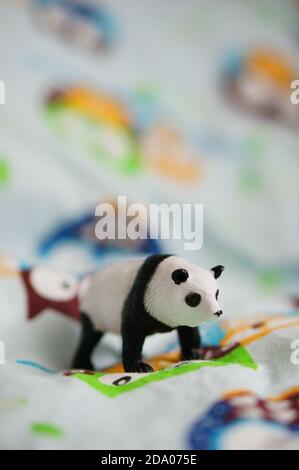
(190, 111)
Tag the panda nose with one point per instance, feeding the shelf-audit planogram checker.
(219, 313)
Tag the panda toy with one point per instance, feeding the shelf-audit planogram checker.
(140, 297)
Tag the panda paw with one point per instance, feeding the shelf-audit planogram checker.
(141, 367)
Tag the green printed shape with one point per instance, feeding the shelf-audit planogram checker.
(46, 429)
(254, 148)
(254, 145)
(54, 115)
(147, 94)
(129, 162)
(250, 181)
(238, 356)
(4, 172)
(88, 137)
(269, 280)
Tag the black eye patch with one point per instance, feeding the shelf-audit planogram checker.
(179, 276)
(217, 294)
(193, 299)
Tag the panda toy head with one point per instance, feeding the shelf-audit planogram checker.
(182, 294)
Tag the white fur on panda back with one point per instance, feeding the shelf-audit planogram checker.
(104, 296)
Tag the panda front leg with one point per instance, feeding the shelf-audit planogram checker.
(89, 339)
(133, 341)
(189, 339)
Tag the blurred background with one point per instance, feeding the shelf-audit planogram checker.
(161, 101)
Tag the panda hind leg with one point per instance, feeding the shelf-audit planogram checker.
(88, 341)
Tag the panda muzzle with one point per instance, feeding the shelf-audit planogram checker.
(219, 313)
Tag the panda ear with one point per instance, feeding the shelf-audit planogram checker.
(217, 270)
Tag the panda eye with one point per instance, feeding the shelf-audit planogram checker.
(217, 294)
(179, 276)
